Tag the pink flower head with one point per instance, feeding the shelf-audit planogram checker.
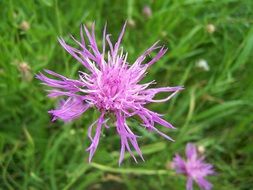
(147, 12)
(111, 85)
(194, 168)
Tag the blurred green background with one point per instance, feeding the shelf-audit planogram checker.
(210, 47)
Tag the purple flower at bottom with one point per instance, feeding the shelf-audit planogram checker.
(111, 85)
(194, 168)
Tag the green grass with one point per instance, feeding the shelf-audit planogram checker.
(214, 110)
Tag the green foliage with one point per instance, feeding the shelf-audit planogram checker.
(214, 110)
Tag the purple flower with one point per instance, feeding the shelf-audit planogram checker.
(194, 168)
(111, 85)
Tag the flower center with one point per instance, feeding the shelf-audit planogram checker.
(111, 90)
(195, 169)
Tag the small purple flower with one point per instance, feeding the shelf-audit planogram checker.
(194, 168)
(111, 85)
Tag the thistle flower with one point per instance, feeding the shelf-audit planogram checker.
(110, 86)
(194, 168)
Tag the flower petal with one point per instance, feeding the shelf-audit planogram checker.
(126, 136)
(203, 183)
(191, 151)
(189, 184)
(69, 109)
(94, 141)
(179, 164)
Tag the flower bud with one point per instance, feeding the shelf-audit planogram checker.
(202, 64)
(201, 149)
(25, 71)
(25, 26)
(146, 11)
(210, 28)
(131, 23)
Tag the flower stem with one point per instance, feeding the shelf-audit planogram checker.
(131, 170)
